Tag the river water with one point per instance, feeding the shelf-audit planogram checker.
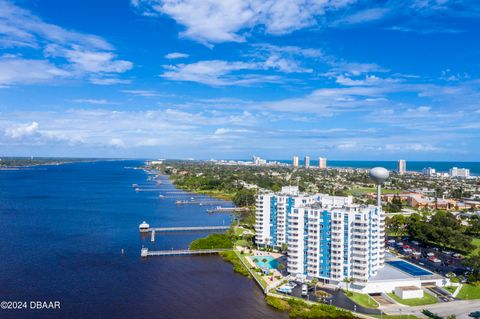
(62, 229)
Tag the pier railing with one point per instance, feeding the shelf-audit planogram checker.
(179, 252)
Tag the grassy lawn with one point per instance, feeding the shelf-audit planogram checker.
(469, 292)
(363, 300)
(476, 243)
(451, 289)
(426, 300)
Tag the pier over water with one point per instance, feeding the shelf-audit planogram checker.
(179, 252)
(145, 228)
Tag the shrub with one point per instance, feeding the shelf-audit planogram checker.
(238, 267)
(278, 303)
(212, 241)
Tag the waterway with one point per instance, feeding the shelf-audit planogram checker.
(62, 231)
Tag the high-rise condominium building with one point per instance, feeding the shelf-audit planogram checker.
(327, 237)
(295, 161)
(402, 167)
(322, 162)
(306, 161)
(429, 171)
(459, 172)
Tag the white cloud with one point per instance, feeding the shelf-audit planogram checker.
(284, 65)
(363, 16)
(143, 93)
(355, 69)
(213, 72)
(19, 27)
(210, 21)
(106, 80)
(21, 130)
(225, 73)
(92, 101)
(66, 54)
(176, 55)
(117, 142)
(90, 61)
(368, 80)
(20, 71)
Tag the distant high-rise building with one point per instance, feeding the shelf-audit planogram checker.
(459, 172)
(429, 171)
(402, 167)
(258, 160)
(295, 161)
(322, 162)
(306, 161)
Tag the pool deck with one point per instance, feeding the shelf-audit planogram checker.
(389, 272)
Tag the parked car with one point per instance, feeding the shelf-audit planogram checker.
(304, 290)
(430, 254)
(415, 242)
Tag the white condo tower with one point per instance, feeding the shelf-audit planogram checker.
(328, 237)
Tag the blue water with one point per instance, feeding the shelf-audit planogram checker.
(63, 228)
(409, 268)
(271, 262)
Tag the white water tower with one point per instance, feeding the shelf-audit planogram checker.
(379, 175)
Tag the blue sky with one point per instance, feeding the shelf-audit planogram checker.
(342, 79)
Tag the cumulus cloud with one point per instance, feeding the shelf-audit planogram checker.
(210, 21)
(21, 130)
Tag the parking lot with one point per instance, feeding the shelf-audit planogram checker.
(429, 257)
(333, 297)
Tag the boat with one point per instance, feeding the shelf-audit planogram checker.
(285, 289)
(161, 196)
(137, 189)
(144, 227)
(135, 185)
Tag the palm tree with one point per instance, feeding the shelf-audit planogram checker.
(348, 281)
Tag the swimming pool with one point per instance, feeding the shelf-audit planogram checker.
(271, 263)
(409, 268)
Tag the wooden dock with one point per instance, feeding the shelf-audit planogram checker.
(179, 252)
(194, 228)
(154, 230)
(227, 210)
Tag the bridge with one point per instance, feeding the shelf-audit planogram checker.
(181, 252)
